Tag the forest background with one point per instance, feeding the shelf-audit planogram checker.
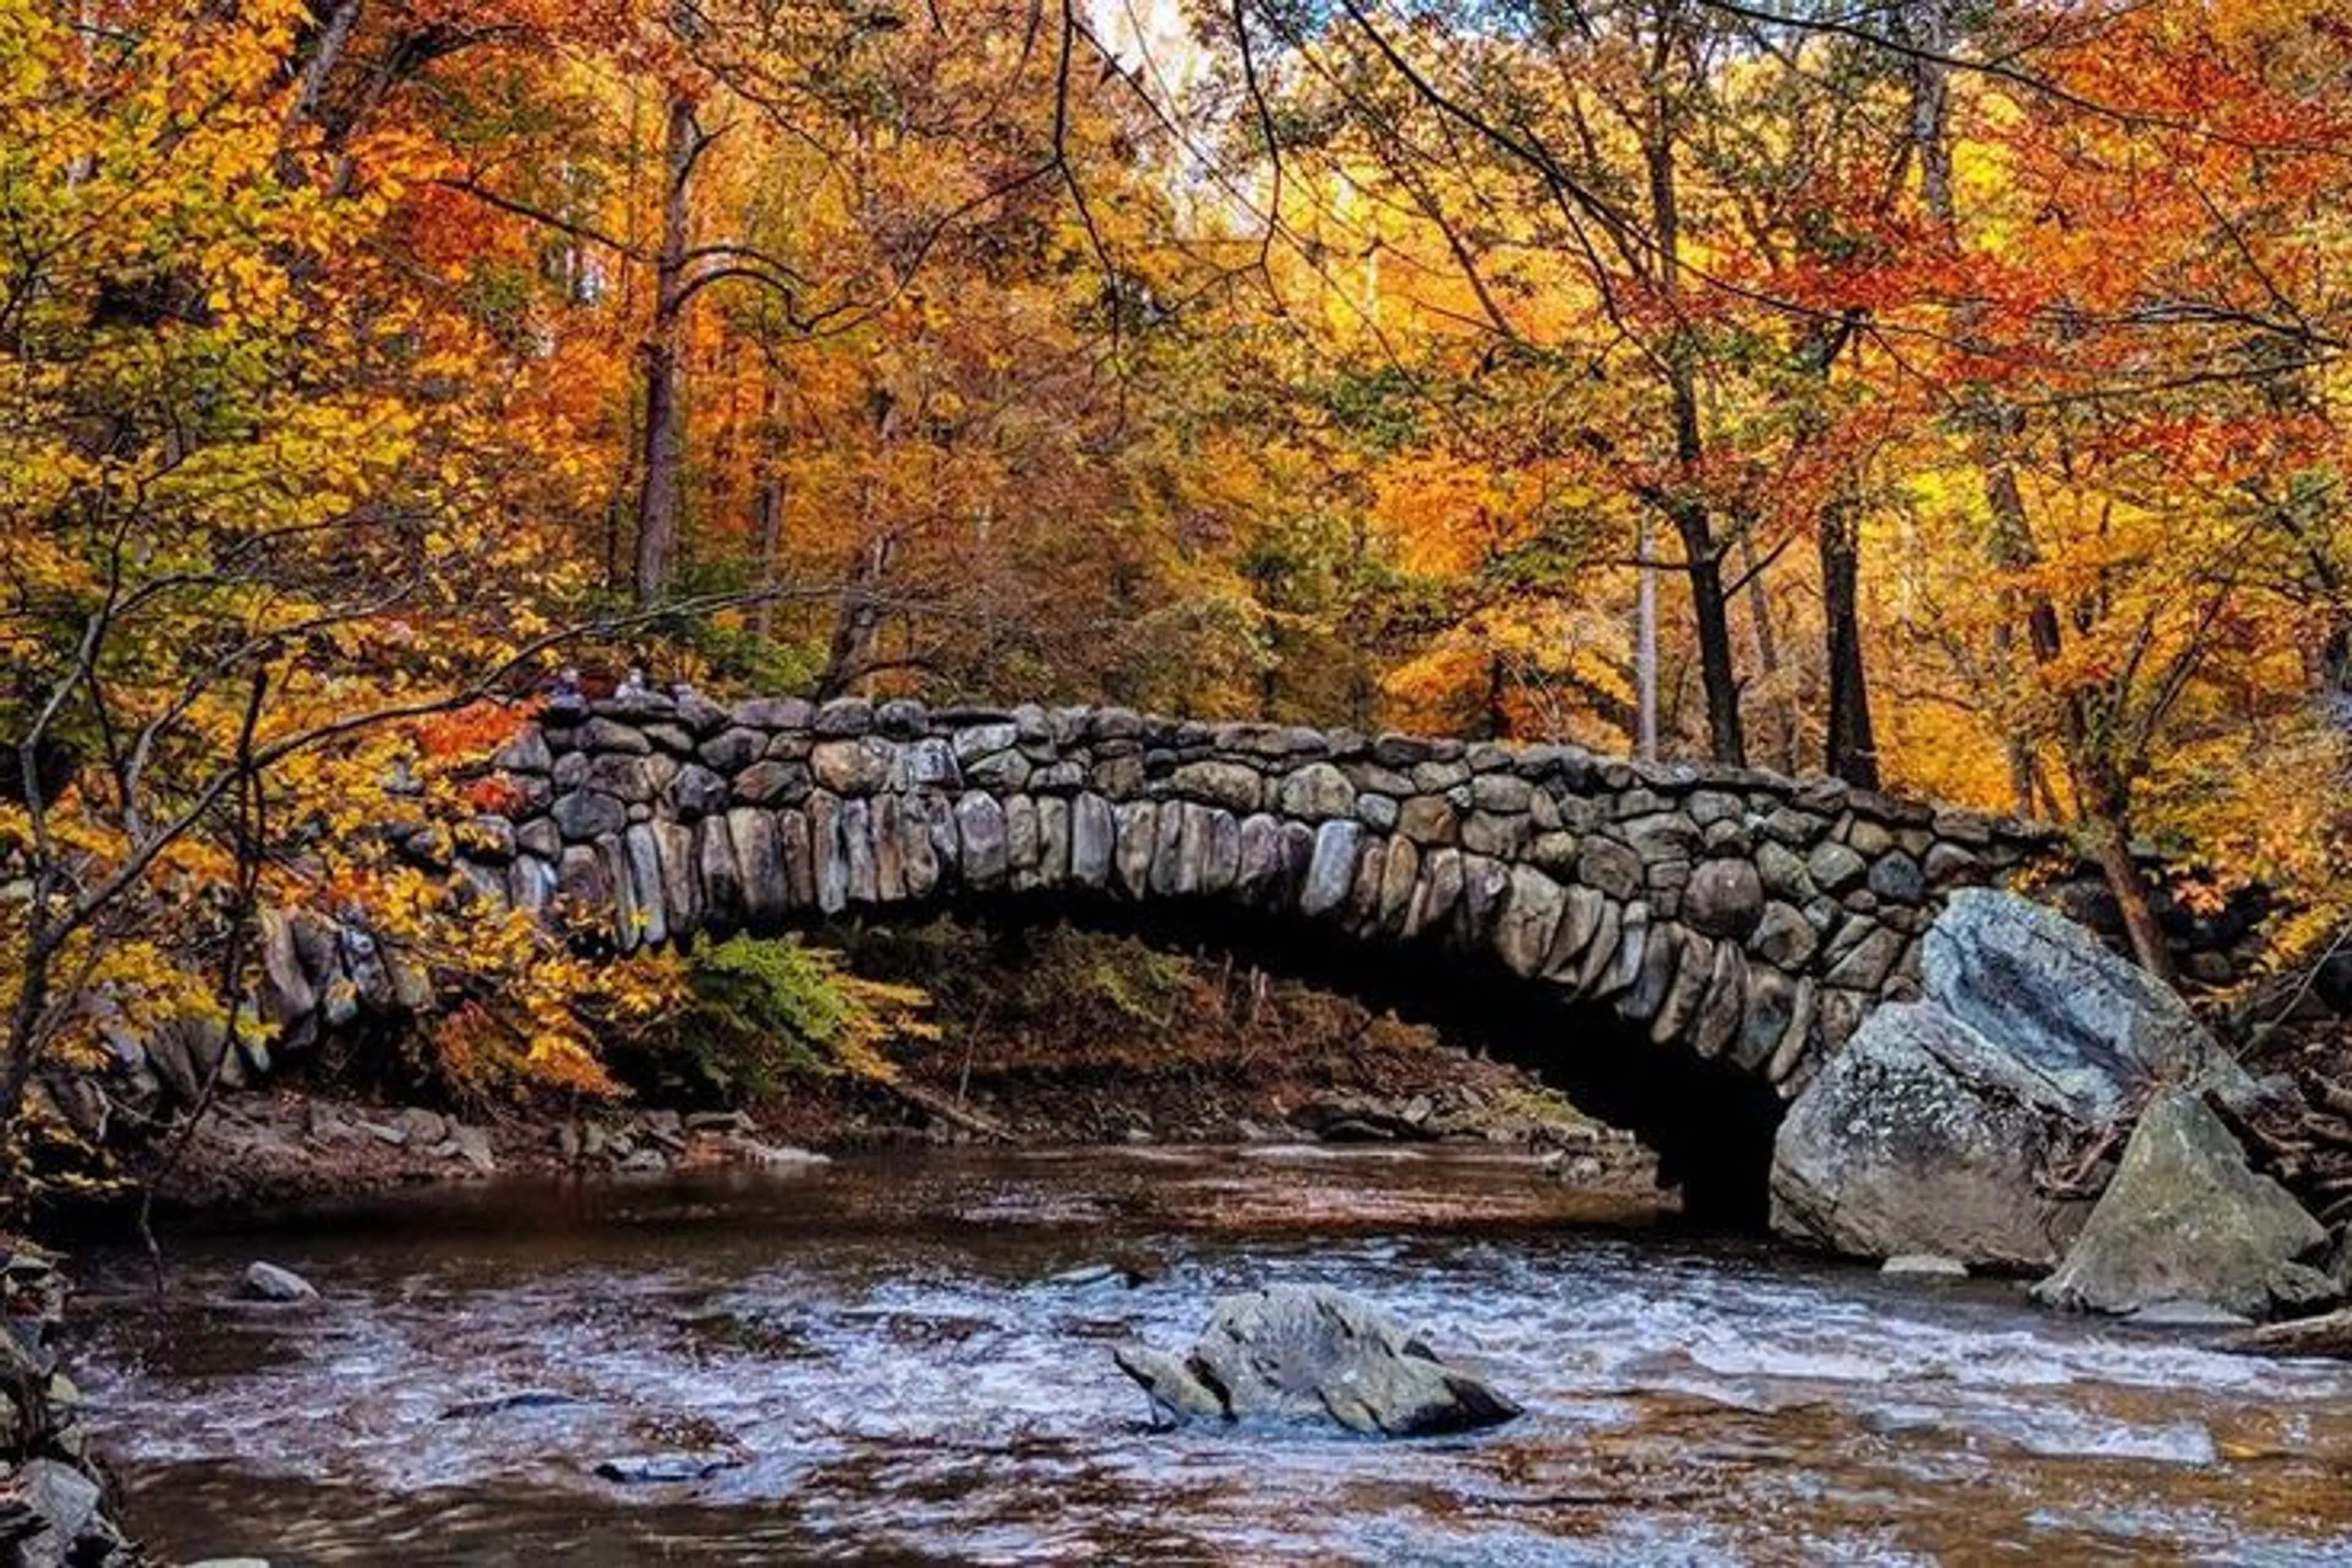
(1945, 395)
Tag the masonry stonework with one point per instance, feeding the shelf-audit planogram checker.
(1736, 913)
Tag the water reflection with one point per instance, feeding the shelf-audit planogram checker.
(908, 1368)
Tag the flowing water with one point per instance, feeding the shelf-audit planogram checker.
(898, 1362)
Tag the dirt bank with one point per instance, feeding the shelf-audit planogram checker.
(1045, 1036)
(293, 1145)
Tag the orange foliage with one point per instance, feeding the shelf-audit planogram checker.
(1021, 377)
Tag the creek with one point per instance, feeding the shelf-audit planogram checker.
(905, 1359)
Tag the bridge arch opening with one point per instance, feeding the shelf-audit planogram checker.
(1709, 1123)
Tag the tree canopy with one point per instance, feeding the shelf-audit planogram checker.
(1946, 396)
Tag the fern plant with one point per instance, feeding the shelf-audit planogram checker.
(764, 1011)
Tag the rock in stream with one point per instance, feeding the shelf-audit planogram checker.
(1306, 1354)
(281, 1287)
(2187, 1219)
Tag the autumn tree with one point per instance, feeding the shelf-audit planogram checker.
(2134, 349)
(266, 507)
(2038, 296)
(1627, 206)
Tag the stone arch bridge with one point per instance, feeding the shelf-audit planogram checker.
(1732, 916)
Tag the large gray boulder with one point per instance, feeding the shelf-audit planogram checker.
(1308, 1353)
(1939, 1125)
(1922, 1136)
(2187, 1219)
(2098, 1030)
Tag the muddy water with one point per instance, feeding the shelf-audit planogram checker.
(885, 1358)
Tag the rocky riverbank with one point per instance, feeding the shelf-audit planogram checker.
(2039, 1106)
(2045, 1107)
(1047, 1037)
(56, 1503)
(289, 1146)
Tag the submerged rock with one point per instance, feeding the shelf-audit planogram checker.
(2187, 1218)
(499, 1403)
(268, 1282)
(1938, 1127)
(1095, 1275)
(774, 1156)
(1308, 1353)
(1925, 1266)
(667, 1470)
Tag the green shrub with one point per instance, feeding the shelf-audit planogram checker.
(765, 1011)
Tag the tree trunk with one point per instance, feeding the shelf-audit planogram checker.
(859, 619)
(1929, 26)
(2104, 797)
(768, 511)
(1851, 751)
(858, 622)
(2335, 677)
(1719, 671)
(326, 44)
(1788, 721)
(28, 1043)
(1645, 644)
(2017, 749)
(661, 461)
(2331, 662)
(2106, 802)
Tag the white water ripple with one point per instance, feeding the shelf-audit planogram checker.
(900, 1382)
